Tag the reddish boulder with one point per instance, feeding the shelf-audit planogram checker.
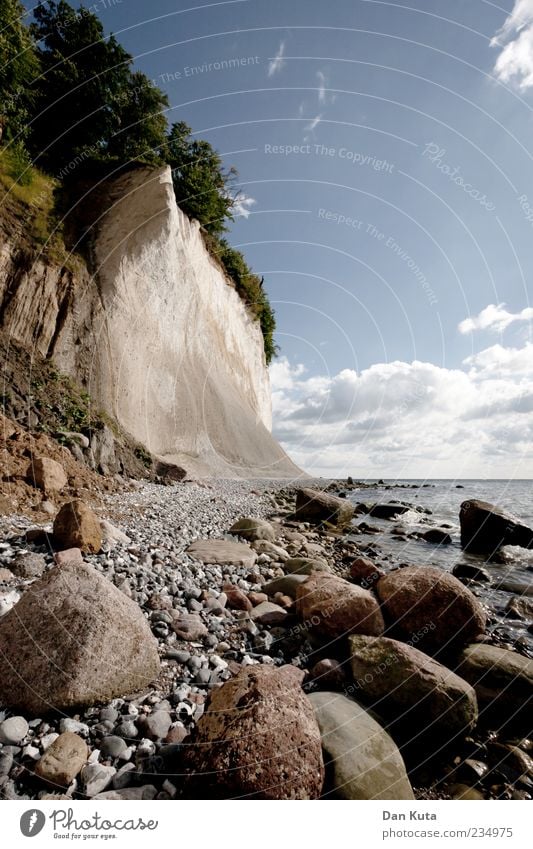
(335, 608)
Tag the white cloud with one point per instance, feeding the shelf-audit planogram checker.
(277, 63)
(410, 419)
(494, 317)
(241, 206)
(321, 87)
(515, 41)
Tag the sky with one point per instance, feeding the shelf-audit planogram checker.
(385, 154)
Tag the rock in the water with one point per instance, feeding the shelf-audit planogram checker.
(13, 730)
(62, 760)
(223, 552)
(387, 511)
(431, 608)
(47, 474)
(523, 607)
(305, 566)
(258, 739)
(486, 528)
(76, 526)
(408, 687)
(468, 572)
(366, 763)
(28, 565)
(437, 536)
(317, 507)
(253, 529)
(335, 608)
(77, 640)
(503, 681)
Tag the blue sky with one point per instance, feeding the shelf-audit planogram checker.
(385, 150)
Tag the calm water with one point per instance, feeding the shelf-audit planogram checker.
(444, 500)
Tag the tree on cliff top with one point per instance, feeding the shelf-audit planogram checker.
(18, 67)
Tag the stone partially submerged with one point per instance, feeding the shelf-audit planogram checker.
(73, 640)
(365, 761)
(485, 528)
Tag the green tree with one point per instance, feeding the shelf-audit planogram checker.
(18, 68)
(143, 125)
(79, 93)
(202, 186)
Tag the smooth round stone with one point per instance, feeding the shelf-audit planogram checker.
(112, 746)
(127, 729)
(13, 730)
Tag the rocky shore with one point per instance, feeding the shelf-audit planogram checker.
(230, 639)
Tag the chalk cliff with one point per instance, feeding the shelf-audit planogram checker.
(156, 333)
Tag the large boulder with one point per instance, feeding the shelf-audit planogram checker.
(335, 608)
(486, 528)
(76, 526)
(253, 529)
(305, 566)
(258, 739)
(47, 474)
(387, 511)
(503, 681)
(408, 687)
(317, 507)
(72, 640)
(430, 608)
(365, 762)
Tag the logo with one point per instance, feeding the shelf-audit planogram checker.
(32, 822)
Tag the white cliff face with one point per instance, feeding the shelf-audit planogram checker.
(163, 341)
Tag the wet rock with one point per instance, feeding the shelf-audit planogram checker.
(485, 528)
(335, 608)
(410, 689)
(503, 681)
(76, 526)
(387, 511)
(431, 608)
(523, 607)
(258, 739)
(77, 639)
(253, 529)
(437, 536)
(365, 762)
(222, 552)
(47, 474)
(317, 507)
(62, 760)
(468, 572)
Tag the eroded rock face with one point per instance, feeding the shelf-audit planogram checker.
(431, 608)
(409, 687)
(486, 528)
(73, 640)
(316, 507)
(76, 526)
(335, 608)
(365, 761)
(503, 681)
(258, 739)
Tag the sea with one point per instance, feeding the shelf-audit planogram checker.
(444, 498)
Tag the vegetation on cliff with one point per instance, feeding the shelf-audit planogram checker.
(70, 99)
